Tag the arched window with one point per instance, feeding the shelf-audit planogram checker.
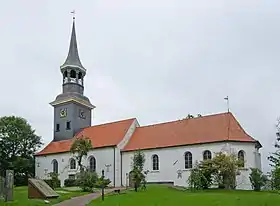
(80, 75)
(72, 163)
(55, 166)
(207, 155)
(92, 164)
(241, 158)
(155, 162)
(65, 74)
(73, 74)
(188, 160)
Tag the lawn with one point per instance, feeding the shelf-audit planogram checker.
(21, 199)
(163, 196)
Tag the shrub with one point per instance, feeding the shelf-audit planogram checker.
(257, 178)
(101, 181)
(70, 182)
(86, 180)
(275, 178)
(53, 182)
(197, 180)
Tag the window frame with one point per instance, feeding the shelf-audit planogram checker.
(206, 154)
(155, 162)
(188, 160)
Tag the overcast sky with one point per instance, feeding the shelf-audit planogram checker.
(156, 60)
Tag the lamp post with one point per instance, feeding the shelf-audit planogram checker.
(102, 185)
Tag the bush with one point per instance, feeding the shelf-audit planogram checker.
(70, 182)
(275, 178)
(257, 178)
(53, 184)
(99, 182)
(86, 180)
(197, 180)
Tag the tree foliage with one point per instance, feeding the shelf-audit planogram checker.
(86, 180)
(18, 144)
(226, 168)
(257, 179)
(274, 158)
(197, 179)
(138, 161)
(190, 116)
(80, 148)
(222, 169)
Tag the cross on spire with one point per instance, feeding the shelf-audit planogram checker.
(73, 13)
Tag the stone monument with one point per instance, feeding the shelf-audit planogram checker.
(40, 189)
(2, 188)
(9, 185)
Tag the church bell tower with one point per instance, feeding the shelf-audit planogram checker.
(72, 110)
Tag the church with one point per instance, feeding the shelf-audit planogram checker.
(171, 149)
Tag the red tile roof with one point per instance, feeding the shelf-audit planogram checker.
(103, 135)
(211, 128)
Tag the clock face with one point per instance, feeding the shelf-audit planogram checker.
(82, 114)
(63, 112)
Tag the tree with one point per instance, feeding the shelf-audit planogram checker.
(18, 144)
(197, 180)
(138, 161)
(274, 158)
(86, 180)
(223, 169)
(190, 116)
(226, 168)
(80, 148)
(257, 179)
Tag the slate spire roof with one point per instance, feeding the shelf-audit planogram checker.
(73, 58)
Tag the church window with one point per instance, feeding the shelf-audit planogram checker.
(72, 164)
(207, 155)
(92, 164)
(241, 158)
(55, 166)
(188, 160)
(80, 75)
(65, 74)
(155, 162)
(68, 125)
(73, 74)
(57, 127)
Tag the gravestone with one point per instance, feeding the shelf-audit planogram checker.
(2, 187)
(9, 185)
(40, 189)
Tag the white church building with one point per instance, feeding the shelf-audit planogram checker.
(171, 149)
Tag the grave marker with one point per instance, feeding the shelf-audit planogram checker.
(40, 189)
(2, 187)
(9, 185)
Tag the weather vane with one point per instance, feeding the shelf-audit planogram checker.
(73, 13)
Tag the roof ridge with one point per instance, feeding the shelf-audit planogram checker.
(173, 121)
(117, 121)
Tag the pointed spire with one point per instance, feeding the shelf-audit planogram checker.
(73, 55)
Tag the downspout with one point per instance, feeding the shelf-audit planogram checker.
(121, 170)
(114, 167)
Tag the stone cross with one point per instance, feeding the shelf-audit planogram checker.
(9, 185)
(2, 187)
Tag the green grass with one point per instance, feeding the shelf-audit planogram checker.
(163, 196)
(21, 198)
